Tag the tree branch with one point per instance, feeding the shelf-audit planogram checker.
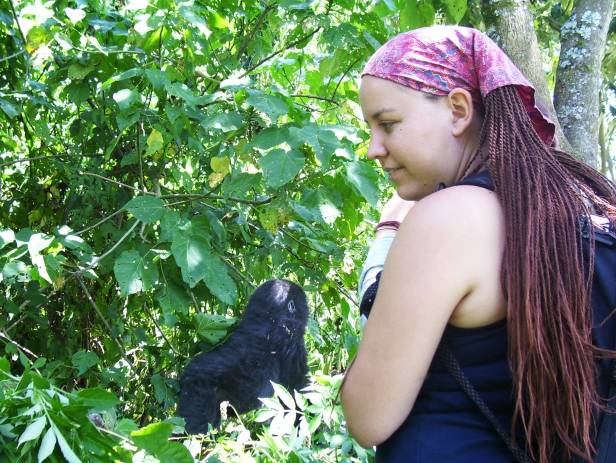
(287, 47)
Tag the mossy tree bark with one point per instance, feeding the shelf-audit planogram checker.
(578, 79)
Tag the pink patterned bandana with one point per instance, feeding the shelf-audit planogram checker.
(438, 59)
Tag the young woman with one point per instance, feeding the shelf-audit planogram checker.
(489, 259)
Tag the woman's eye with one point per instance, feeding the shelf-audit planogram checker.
(387, 126)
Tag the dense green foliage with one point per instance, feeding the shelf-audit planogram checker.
(159, 160)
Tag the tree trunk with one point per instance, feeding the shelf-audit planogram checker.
(510, 24)
(578, 78)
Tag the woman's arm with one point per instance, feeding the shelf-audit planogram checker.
(430, 268)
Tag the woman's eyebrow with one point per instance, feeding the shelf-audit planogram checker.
(381, 111)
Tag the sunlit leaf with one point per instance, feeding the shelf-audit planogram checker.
(148, 209)
(33, 431)
(280, 167)
(135, 273)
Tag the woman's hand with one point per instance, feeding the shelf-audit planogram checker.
(396, 208)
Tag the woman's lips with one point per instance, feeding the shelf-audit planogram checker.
(391, 172)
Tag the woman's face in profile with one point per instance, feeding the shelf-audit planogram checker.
(410, 136)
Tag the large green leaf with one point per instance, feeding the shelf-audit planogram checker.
(416, 13)
(152, 437)
(280, 167)
(365, 180)
(98, 399)
(135, 273)
(271, 105)
(191, 253)
(146, 208)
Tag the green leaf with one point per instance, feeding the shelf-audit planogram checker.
(173, 301)
(152, 437)
(125, 98)
(8, 108)
(79, 72)
(66, 449)
(74, 15)
(191, 254)
(48, 444)
(272, 106)
(162, 392)
(219, 282)
(157, 78)
(365, 180)
(270, 138)
(280, 167)
(223, 121)
(33, 431)
(213, 328)
(173, 452)
(148, 209)
(135, 273)
(456, 10)
(5, 366)
(282, 393)
(84, 360)
(98, 399)
(416, 13)
(129, 74)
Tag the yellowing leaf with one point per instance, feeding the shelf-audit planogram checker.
(215, 179)
(221, 165)
(155, 142)
(36, 37)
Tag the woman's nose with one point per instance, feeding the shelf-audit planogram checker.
(376, 149)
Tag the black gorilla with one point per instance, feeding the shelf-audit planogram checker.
(267, 345)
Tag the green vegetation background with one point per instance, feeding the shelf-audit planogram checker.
(159, 160)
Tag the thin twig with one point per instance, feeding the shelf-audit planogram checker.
(17, 21)
(51, 156)
(96, 260)
(19, 346)
(314, 97)
(104, 320)
(254, 30)
(188, 196)
(20, 318)
(110, 180)
(240, 274)
(277, 52)
(6, 58)
(147, 310)
(100, 222)
(343, 76)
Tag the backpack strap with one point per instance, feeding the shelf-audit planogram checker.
(606, 437)
(448, 359)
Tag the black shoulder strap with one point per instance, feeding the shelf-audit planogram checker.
(450, 362)
(481, 179)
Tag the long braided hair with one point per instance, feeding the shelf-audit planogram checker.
(543, 193)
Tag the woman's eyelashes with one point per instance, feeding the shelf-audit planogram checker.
(387, 126)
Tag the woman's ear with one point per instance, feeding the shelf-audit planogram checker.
(460, 103)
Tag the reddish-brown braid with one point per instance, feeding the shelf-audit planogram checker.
(541, 191)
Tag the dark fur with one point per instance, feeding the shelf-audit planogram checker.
(267, 345)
